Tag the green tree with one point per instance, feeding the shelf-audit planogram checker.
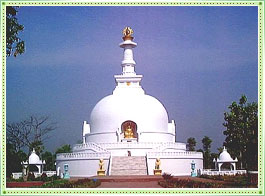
(14, 159)
(64, 149)
(241, 124)
(29, 133)
(49, 159)
(191, 143)
(14, 44)
(206, 142)
(220, 150)
(207, 159)
(37, 146)
(212, 157)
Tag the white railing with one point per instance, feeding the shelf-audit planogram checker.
(175, 154)
(63, 156)
(178, 146)
(253, 172)
(90, 145)
(17, 175)
(36, 174)
(212, 172)
(197, 155)
(50, 173)
(147, 145)
(126, 145)
(154, 146)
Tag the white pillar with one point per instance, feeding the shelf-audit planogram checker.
(128, 62)
(58, 171)
(86, 130)
(39, 168)
(234, 165)
(219, 166)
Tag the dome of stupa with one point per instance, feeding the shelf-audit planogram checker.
(146, 111)
(225, 156)
(34, 158)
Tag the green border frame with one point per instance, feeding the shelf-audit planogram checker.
(197, 191)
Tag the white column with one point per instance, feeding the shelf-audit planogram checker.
(219, 166)
(128, 55)
(128, 62)
(58, 171)
(39, 168)
(234, 165)
(86, 130)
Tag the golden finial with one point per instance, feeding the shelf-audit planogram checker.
(127, 33)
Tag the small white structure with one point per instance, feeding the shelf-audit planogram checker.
(34, 159)
(224, 158)
(128, 130)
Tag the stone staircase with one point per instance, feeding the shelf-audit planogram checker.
(131, 165)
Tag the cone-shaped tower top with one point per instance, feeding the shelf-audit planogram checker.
(128, 78)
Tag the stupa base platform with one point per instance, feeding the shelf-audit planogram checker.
(129, 158)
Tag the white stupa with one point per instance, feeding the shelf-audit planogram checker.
(34, 159)
(223, 158)
(128, 130)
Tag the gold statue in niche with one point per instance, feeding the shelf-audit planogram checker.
(128, 132)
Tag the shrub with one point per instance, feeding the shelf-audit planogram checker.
(237, 180)
(37, 179)
(15, 180)
(31, 176)
(44, 177)
(54, 177)
(178, 183)
(167, 177)
(82, 183)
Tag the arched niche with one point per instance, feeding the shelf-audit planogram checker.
(227, 166)
(129, 129)
(33, 168)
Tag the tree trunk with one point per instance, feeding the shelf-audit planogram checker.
(241, 160)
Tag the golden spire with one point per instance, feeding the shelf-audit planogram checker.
(127, 33)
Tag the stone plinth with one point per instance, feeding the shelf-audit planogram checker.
(157, 172)
(101, 172)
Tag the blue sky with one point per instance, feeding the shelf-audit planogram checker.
(195, 60)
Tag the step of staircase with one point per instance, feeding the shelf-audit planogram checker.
(131, 165)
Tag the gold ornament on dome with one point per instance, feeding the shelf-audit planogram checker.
(127, 33)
